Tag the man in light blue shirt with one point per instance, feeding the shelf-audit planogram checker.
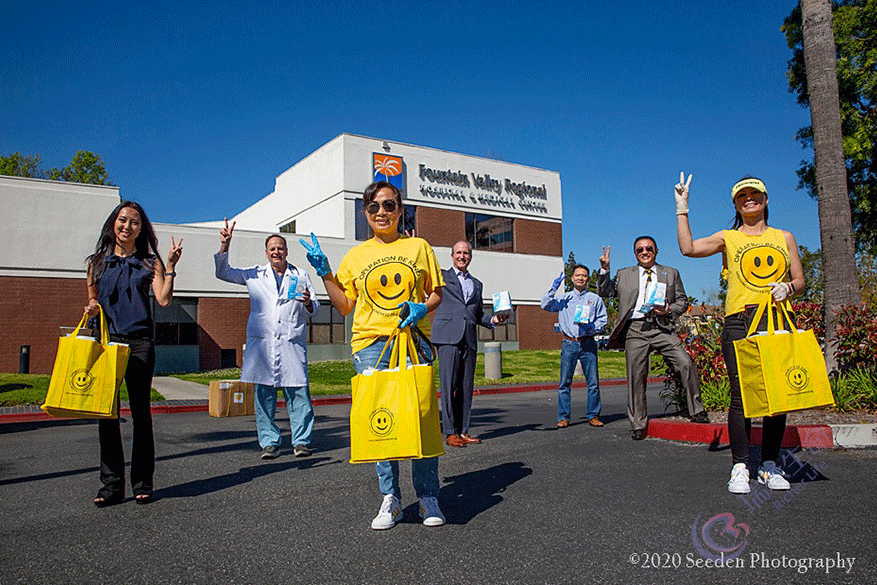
(581, 315)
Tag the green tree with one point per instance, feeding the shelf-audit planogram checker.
(835, 222)
(814, 279)
(86, 167)
(16, 165)
(567, 269)
(855, 37)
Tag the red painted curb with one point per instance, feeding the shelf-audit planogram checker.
(804, 436)
(159, 408)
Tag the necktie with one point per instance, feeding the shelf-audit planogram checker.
(648, 275)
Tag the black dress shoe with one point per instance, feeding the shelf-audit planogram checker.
(638, 434)
(701, 417)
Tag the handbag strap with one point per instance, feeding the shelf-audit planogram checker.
(764, 307)
(104, 330)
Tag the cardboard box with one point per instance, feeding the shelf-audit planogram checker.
(231, 398)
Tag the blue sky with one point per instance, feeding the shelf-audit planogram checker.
(196, 107)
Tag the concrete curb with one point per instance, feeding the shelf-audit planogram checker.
(804, 436)
(23, 414)
(845, 436)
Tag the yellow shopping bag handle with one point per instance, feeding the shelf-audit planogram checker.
(408, 350)
(772, 324)
(104, 330)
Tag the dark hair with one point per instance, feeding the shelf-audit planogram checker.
(145, 243)
(372, 190)
(738, 219)
(577, 266)
(269, 238)
(645, 238)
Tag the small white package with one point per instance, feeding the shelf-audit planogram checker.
(656, 296)
(502, 302)
(583, 314)
(297, 287)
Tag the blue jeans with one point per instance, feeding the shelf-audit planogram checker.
(584, 351)
(301, 414)
(424, 472)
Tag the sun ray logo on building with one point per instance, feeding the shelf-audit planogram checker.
(388, 168)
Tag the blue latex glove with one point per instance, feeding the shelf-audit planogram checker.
(558, 280)
(416, 312)
(316, 257)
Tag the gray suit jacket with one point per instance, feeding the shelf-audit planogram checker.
(625, 286)
(455, 318)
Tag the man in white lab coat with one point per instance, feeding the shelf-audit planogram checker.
(276, 354)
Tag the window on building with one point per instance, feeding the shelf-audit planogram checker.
(326, 326)
(176, 324)
(508, 331)
(407, 222)
(489, 232)
(288, 228)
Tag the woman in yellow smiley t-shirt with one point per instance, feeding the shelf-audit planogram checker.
(757, 261)
(374, 279)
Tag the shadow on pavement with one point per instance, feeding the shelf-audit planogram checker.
(200, 487)
(465, 496)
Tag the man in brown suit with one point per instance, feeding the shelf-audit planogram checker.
(641, 334)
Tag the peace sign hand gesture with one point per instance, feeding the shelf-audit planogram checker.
(225, 236)
(174, 255)
(226, 232)
(604, 259)
(315, 256)
(681, 193)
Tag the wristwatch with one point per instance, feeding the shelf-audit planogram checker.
(174, 273)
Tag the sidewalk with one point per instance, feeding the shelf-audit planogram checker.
(184, 396)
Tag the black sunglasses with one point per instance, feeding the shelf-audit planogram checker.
(389, 206)
(640, 250)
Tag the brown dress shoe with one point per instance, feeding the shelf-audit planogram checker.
(455, 441)
(469, 439)
(562, 424)
(595, 422)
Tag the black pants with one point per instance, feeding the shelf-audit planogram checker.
(138, 378)
(740, 427)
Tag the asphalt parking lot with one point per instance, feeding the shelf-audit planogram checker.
(532, 504)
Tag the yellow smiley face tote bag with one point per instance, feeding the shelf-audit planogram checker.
(87, 375)
(780, 371)
(394, 413)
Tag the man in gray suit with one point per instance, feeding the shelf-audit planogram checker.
(453, 333)
(640, 334)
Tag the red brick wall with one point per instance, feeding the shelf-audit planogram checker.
(538, 237)
(536, 328)
(32, 310)
(223, 325)
(441, 227)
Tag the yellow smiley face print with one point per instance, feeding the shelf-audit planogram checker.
(762, 265)
(390, 283)
(381, 422)
(81, 380)
(797, 378)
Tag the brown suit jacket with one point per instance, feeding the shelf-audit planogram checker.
(625, 286)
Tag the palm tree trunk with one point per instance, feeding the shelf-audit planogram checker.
(835, 224)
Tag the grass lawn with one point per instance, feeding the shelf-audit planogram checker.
(333, 377)
(20, 389)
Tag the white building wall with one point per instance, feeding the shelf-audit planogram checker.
(49, 227)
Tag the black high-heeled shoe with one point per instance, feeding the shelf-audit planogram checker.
(105, 498)
(143, 497)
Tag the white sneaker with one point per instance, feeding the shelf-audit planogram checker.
(430, 512)
(739, 482)
(772, 476)
(389, 514)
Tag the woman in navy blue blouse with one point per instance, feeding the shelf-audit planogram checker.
(124, 266)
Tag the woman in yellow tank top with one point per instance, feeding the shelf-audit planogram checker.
(757, 260)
